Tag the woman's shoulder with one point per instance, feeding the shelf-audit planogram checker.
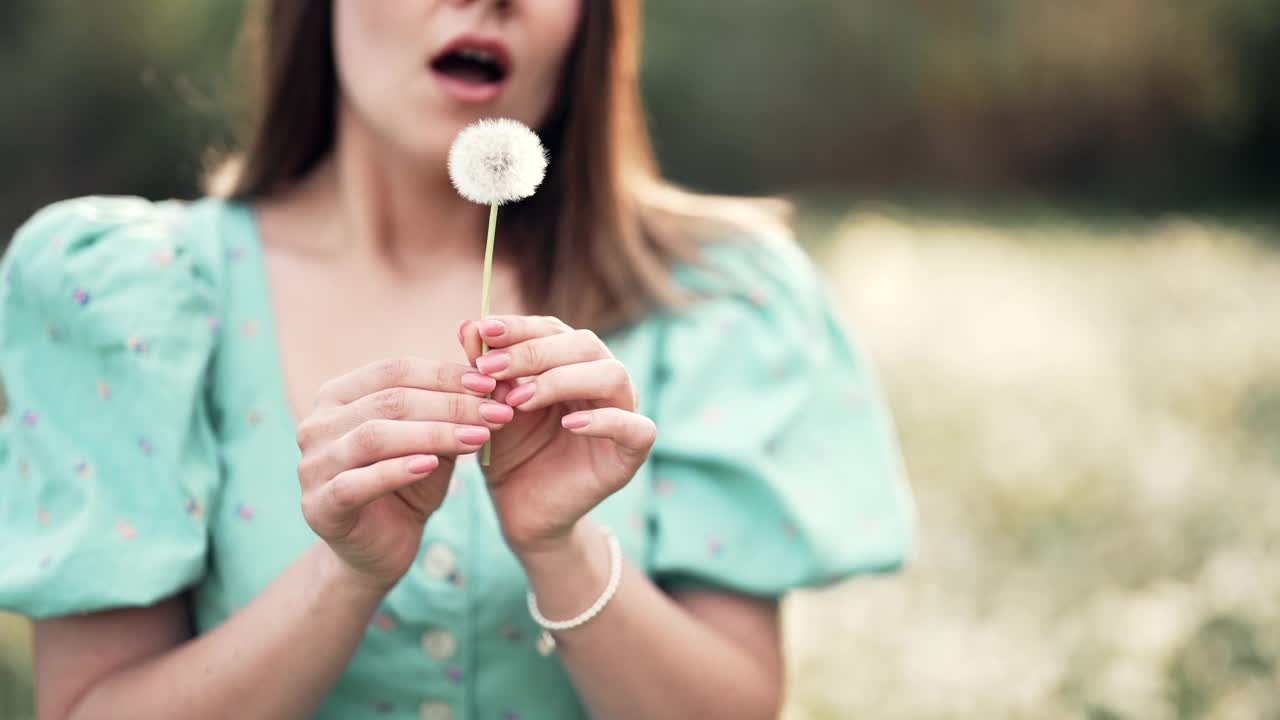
(107, 318)
(775, 441)
(762, 273)
(115, 263)
(770, 255)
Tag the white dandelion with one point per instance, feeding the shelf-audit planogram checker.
(492, 162)
(496, 161)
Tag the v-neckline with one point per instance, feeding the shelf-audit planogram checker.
(268, 336)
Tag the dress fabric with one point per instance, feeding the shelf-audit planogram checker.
(148, 450)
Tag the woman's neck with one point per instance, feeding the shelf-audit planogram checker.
(390, 213)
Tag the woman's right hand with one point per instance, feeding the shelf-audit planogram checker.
(378, 451)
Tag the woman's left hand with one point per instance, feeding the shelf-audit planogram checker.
(575, 439)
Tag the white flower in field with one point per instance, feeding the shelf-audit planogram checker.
(495, 161)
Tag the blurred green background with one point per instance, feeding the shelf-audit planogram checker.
(1055, 227)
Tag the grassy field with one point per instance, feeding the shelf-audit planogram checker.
(1090, 413)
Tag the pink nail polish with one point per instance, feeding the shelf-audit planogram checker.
(469, 435)
(421, 464)
(461, 328)
(493, 362)
(576, 421)
(496, 412)
(475, 382)
(521, 394)
(492, 328)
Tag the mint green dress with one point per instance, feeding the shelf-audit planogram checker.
(148, 449)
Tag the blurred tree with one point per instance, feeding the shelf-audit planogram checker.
(108, 97)
(1130, 101)
(1142, 100)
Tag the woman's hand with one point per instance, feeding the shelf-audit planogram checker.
(378, 451)
(576, 437)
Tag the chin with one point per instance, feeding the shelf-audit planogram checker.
(426, 143)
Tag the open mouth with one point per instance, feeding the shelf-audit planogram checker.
(473, 65)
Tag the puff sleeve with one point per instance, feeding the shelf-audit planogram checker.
(107, 459)
(776, 463)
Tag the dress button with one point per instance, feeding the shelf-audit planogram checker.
(439, 561)
(439, 644)
(435, 710)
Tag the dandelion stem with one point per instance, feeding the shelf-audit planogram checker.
(484, 298)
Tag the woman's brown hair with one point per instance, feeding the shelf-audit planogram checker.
(599, 237)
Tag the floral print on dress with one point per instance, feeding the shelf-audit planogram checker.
(513, 633)
(212, 412)
(715, 546)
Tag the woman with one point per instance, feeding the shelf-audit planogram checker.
(239, 474)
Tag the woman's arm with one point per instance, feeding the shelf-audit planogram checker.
(647, 654)
(377, 453)
(576, 439)
(275, 658)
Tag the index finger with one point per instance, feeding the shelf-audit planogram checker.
(407, 371)
(506, 330)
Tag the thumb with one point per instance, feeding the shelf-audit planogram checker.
(469, 337)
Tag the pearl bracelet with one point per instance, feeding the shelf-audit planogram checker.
(546, 643)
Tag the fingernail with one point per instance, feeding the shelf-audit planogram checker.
(421, 464)
(461, 328)
(576, 421)
(493, 362)
(492, 328)
(496, 412)
(520, 394)
(471, 435)
(475, 382)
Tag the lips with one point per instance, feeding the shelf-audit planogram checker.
(472, 68)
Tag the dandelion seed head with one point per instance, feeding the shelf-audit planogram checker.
(496, 161)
